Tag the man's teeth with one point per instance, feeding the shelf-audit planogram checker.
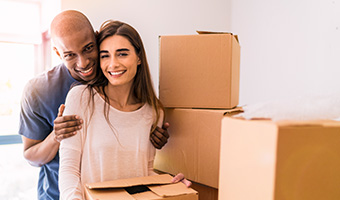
(116, 73)
(86, 71)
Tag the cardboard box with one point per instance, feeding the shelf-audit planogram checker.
(140, 188)
(266, 160)
(194, 144)
(205, 192)
(199, 71)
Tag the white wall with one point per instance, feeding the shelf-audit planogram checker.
(157, 17)
(289, 47)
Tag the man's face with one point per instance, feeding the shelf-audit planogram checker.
(79, 52)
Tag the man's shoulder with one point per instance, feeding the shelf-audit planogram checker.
(52, 80)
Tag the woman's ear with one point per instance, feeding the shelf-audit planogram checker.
(139, 62)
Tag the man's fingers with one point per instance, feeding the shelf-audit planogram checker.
(64, 119)
(68, 124)
(160, 132)
(166, 125)
(158, 139)
(68, 130)
(59, 138)
(61, 110)
(156, 145)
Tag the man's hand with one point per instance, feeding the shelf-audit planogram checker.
(180, 177)
(66, 126)
(160, 136)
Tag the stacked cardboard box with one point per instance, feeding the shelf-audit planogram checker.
(199, 71)
(199, 85)
(267, 160)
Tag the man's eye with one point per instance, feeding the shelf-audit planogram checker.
(68, 56)
(89, 48)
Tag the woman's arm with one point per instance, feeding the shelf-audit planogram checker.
(70, 153)
(69, 172)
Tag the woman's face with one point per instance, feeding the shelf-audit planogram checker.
(118, 60)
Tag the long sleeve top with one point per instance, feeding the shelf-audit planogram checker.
(103, 151)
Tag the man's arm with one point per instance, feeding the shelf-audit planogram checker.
(160, 136)
(40, 152)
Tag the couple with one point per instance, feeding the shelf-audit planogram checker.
(108, 120)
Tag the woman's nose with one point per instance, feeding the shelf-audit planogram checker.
(114, 62)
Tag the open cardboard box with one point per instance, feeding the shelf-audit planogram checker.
(279, 160)
(140, 188)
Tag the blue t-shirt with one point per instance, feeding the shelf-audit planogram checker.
(41, 99)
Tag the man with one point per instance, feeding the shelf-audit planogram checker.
(42, 126)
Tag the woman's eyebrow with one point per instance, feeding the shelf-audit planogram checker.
(122, 49)
(103, 51)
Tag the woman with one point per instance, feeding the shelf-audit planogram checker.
(116, 105)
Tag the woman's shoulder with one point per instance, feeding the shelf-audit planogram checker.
(78, 91)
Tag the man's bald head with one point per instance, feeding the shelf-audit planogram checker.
(68, 22)
(74, 41)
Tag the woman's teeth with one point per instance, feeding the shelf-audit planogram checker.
(116, 73)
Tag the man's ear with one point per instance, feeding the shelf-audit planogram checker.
(56, 51)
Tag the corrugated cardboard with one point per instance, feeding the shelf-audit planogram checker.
(287, 160)
(159, 187)
(199, 71)
(205, 192)
(194, 144)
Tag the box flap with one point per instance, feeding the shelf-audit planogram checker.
(120, 183)
(171, 189)
(233, 111)
(213, 32)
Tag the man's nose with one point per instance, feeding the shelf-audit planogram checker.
(83, 62)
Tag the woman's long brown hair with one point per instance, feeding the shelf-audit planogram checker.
(142, 87)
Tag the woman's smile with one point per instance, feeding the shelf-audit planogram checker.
(117, 73)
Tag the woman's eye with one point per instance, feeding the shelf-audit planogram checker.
(122, 54)
(104, 56)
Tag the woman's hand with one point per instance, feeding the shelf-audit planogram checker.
(180, 177)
